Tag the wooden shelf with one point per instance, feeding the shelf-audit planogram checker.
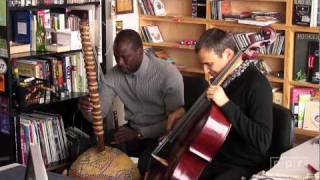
(304, 84)
(263, 0)
(72, 96)
(299, 131)
(62, 165)
(50, 6)
(275, 79)
(221, 23)
(191, 70)
(32, 54)
(305, 29)
(174, 19)
(271, 56)
(169, 45)
(280, 63)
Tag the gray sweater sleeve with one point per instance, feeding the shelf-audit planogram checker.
(173, 90)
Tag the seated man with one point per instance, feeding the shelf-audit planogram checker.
(152, 93)
(245, 98)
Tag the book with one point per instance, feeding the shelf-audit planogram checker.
(158, 7)
(303, 99)
(58, 47)
(314, 11)
(19, 47)
(277, 97)
(295, 94)
(2, 83)
(21, 21)
(154, 33)
(35, 167)
(312, 116)
(302, 12)
(301, 50)
(257, 22)
(4, 115)
(313, 71)
(199, 8)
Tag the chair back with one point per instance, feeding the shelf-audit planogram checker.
(283, 132)
(194, 86)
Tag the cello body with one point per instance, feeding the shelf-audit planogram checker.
(204, 147)
(197, 143)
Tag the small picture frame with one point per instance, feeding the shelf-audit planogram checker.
(124, 6)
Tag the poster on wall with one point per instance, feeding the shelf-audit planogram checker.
(124, 6)
(3, 13)
(4, 115)
(119, 26)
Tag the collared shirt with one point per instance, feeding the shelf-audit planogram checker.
(149, 95)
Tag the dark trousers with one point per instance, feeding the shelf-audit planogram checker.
(223, 171)
(141, 149)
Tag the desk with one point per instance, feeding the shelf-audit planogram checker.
(17, 172)
(293, 163)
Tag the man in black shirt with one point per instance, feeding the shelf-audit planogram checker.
(245, 98)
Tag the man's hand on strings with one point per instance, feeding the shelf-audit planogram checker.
(84, 104)
(125, 134)
(217, 95)
(174, 117)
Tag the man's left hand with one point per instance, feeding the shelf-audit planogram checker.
(174, 117)
(217, 95)
(124, 134)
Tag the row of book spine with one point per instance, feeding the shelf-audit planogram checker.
(244, 40)
(23, 3)
(146, 7)
(63, 74)
(50, 30)
(44, 129)
(219, 9)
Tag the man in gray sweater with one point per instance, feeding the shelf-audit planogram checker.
(151, 90)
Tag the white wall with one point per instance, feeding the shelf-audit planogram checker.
(130, 21)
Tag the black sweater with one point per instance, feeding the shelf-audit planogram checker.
(250, 112)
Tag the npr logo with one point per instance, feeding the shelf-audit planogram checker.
(289, 162)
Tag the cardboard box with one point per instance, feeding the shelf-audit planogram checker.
(69, 38)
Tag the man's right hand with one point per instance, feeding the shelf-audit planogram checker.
(84, 104)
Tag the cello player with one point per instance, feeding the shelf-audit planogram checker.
(246, 100)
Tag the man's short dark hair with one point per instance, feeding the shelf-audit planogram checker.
(131, 36)
(217, 40)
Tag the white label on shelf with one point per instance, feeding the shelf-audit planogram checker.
(22, 28)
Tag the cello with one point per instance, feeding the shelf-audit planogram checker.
(197, 137)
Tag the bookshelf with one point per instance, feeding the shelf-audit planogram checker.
(64, 105)
(179, 24)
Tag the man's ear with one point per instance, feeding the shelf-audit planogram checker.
(140, 50)
(228, 54)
